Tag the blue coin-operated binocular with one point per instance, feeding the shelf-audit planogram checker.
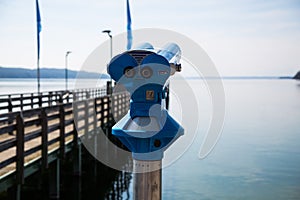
(147, 130)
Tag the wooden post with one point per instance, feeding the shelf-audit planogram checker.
(102, 112)
(147, 185)
(95, 116)
(20, 149)
(77, 145)
(49, 98)
(10, 108)
(54, 180)
(86, 116)
(74, 97)
(44, 123)
(75, 120)
(118, 188)
(40, 99)
(108, 87)
(60, 98)
(19, 155)
(167, 96)
(62, 131)
(77, 166)
(68, 97)
(31, 100)
(21, 102)
(95, 138)
(76, 188)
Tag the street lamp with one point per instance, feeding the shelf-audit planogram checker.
(110, 36)
(109, 89)
(66, 68)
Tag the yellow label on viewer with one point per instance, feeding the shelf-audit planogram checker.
(150, 95)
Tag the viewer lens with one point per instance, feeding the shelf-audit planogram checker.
(129, 72)
(146, 72)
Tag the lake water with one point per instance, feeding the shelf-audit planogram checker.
(258, 154)
(19, 85)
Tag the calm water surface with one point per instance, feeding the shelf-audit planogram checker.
(19, 85)
(258, 154)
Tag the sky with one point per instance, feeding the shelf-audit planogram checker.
(242, 37)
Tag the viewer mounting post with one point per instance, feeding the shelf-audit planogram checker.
(147, 130)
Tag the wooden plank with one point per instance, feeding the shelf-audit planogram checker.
(7, 144)
(7, 162)
(32, 135)
(69, 121)
(32, 122)
(4, 107)
(4, 100)
(54, 140)
(7, 129)
(32, 150)
(54, 116)
(53, 127)
(68, 112)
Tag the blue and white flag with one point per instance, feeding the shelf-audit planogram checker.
(129, 32)
(39, 28)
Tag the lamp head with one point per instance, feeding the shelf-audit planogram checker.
(108, 32)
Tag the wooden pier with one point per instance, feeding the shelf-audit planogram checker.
(38, 131)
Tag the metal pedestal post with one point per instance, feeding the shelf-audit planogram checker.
(147, 185)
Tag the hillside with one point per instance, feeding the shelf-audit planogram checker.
(297, 76)
(6, 72)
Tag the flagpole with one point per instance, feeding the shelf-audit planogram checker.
(129, 31)
(38, 75)
(38, 29)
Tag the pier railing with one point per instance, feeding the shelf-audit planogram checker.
(30, 135)
(27, 101)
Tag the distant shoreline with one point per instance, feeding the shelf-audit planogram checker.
(242, 77)
(53, 73)
(48, 73)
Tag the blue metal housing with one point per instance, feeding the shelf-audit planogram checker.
(147, 130)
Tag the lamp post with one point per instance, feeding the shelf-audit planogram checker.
(109, 83)
(110, 36)
(66, 68)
